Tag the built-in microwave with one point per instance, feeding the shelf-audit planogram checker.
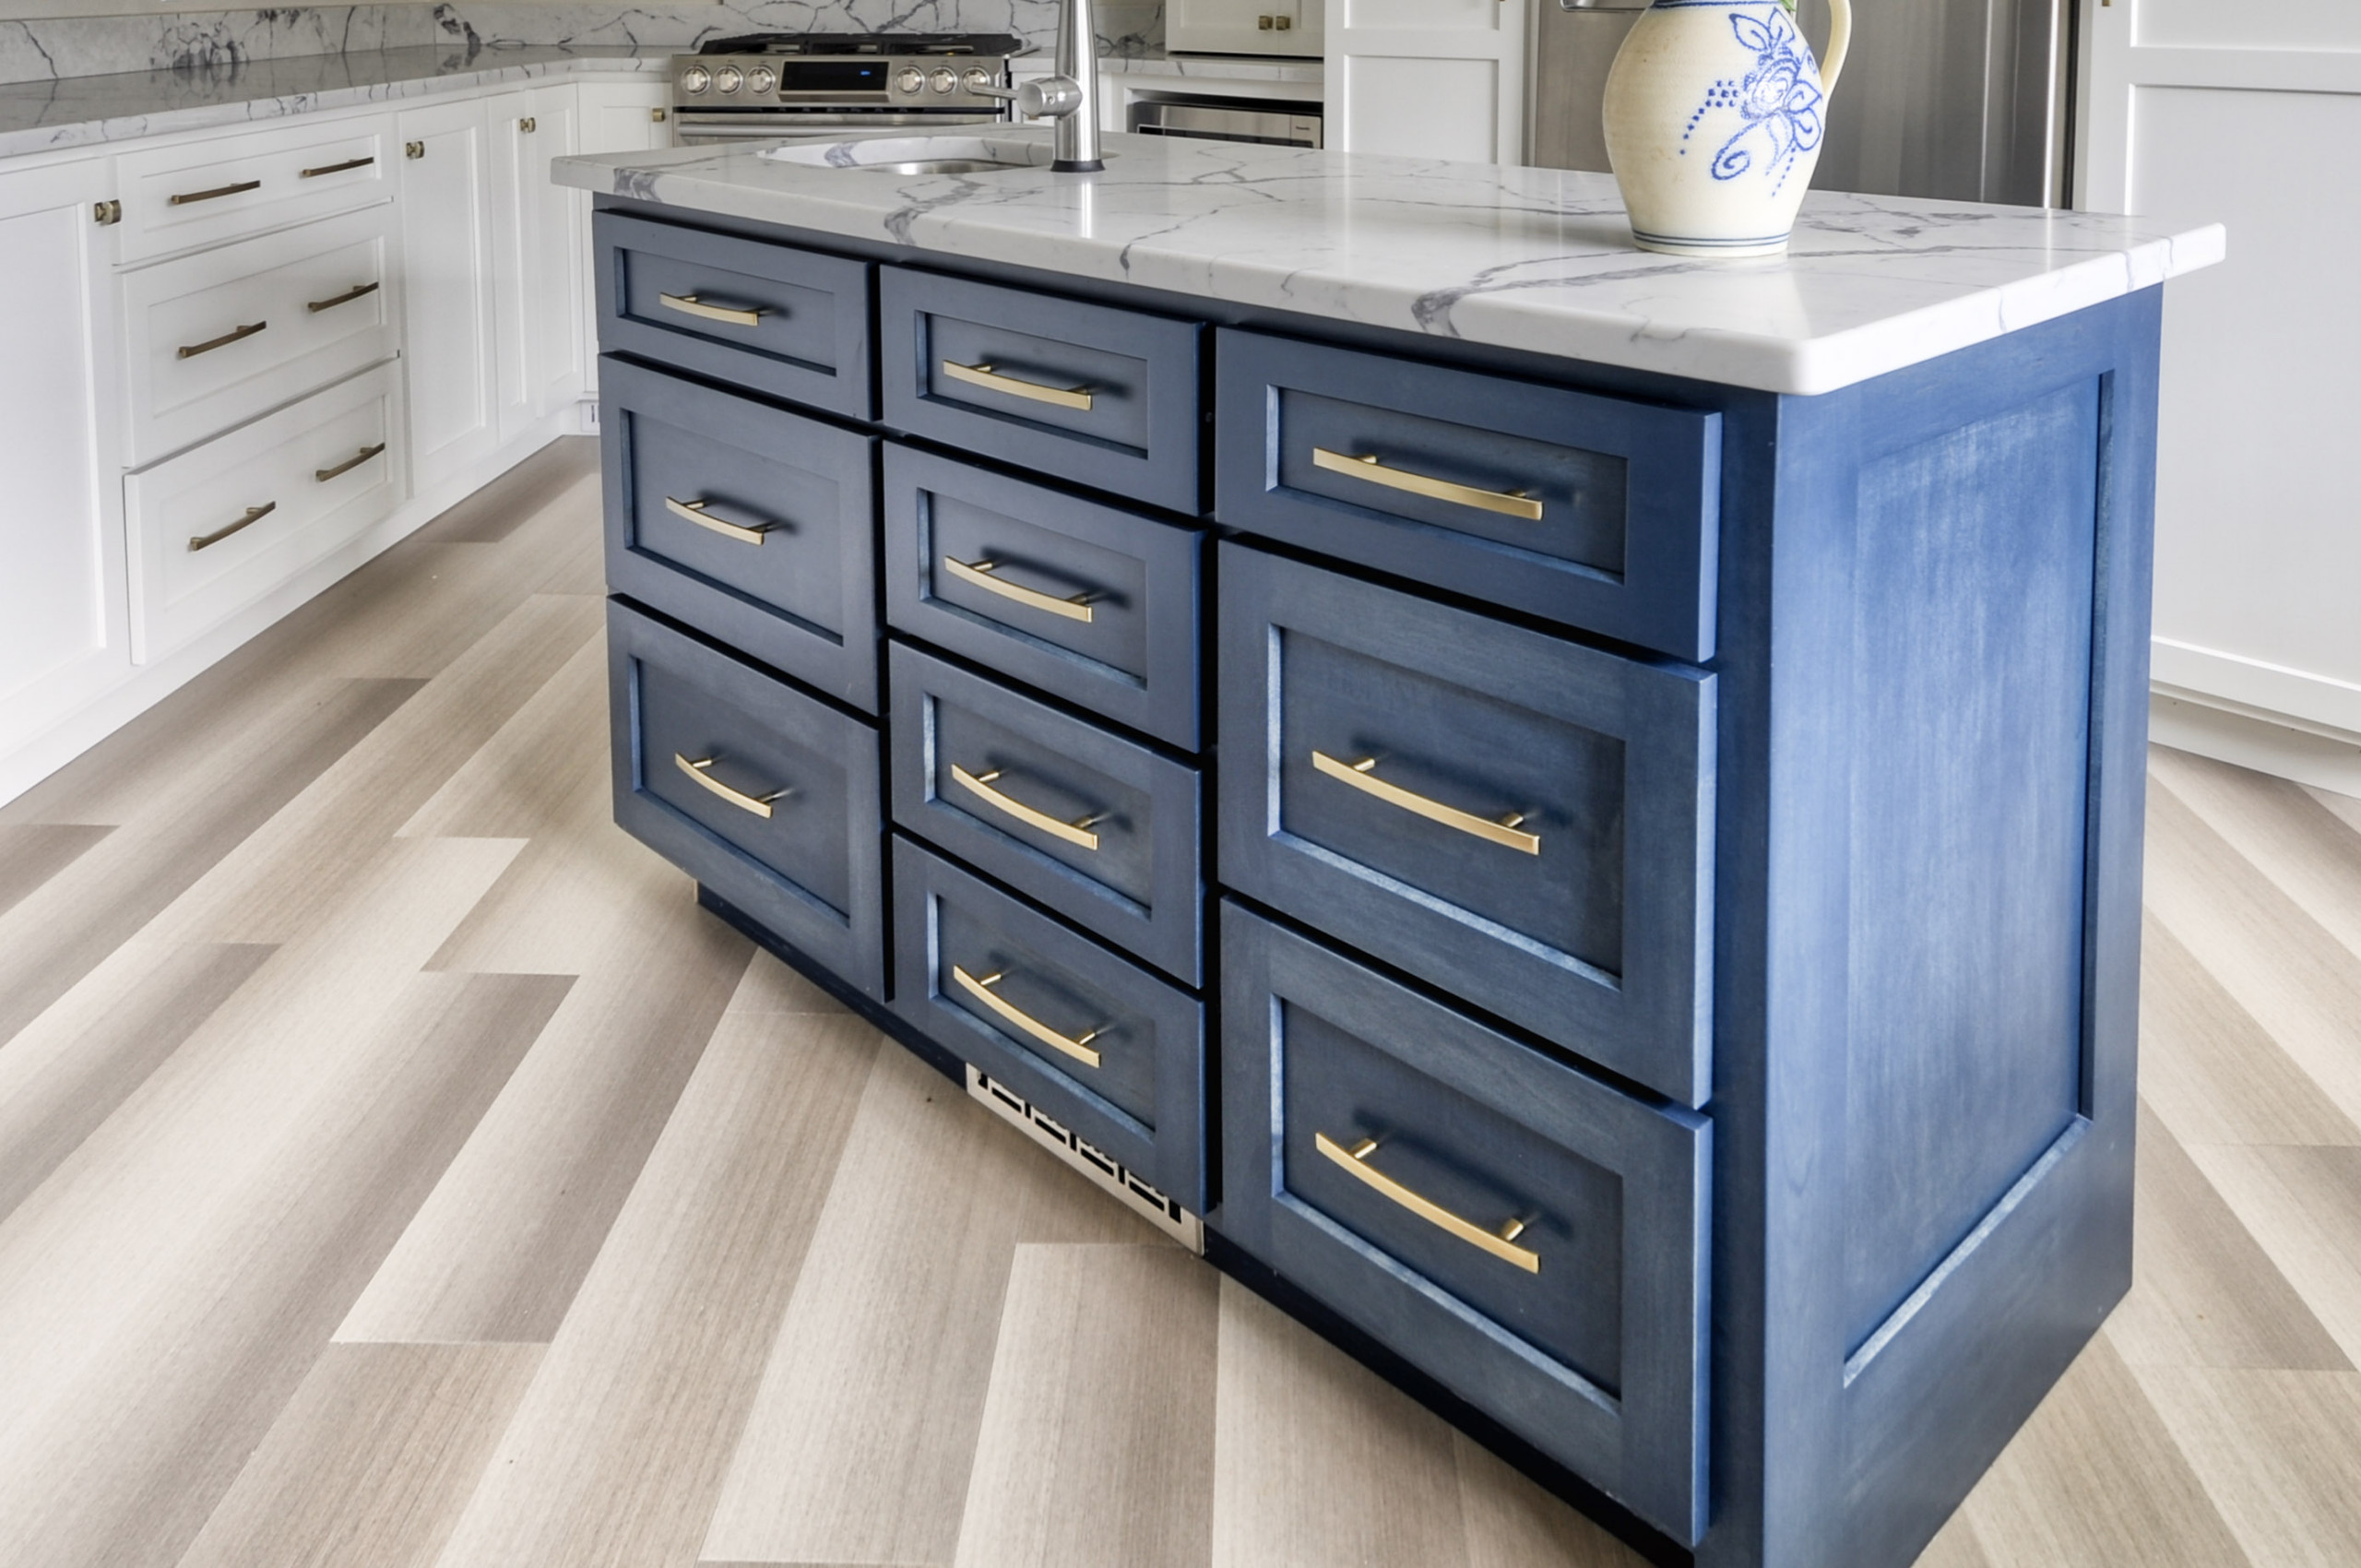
(1243, 26)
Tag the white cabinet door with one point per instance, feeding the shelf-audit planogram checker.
(62, 584)
(539, 241)
(1427, 78)
(616, 117)
(445, 173)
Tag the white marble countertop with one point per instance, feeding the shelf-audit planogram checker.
(1539, 259)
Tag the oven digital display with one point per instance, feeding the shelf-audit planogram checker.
(832, 75)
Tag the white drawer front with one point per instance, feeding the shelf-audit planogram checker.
(202, 193)
(217, 528)
(216, 338)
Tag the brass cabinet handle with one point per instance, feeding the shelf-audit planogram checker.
(254, 514)
(981, 574)
(359, 290)
(105, 212)
(1509, 502)
(187, 197)
(191, 350)
(413, 150)
(694, 511)
(760, 805)
(336, 168)
(985, 375)
(1500, 1244)
(323, 475)
(981, 784)
(658, 116)
(528, 125)
(736, 316)
(1502, 830)
(1077, 1046)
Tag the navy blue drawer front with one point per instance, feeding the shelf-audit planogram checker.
(747, 522)
(1103, 830)
(765, 795)
(767, 317)
(1091, 604)
(1594, 512)
(1092, 1038)
(1529, 1235)
(1522, 820)
(1105, 396)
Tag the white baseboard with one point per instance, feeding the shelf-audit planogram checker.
(2265, 743)
(2301, 699)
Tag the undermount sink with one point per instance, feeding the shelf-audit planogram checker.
(915, 155)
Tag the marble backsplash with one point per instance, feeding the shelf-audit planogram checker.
(219, 42)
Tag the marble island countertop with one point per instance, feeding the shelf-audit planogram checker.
(1537, 259)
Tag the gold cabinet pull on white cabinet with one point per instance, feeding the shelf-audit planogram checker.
(187, 198)
(322, 475)
(254, 514)
(235, 335)
(358, 291)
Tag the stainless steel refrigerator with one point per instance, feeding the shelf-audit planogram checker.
(1964, 100)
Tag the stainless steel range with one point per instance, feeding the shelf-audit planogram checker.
(767, 86)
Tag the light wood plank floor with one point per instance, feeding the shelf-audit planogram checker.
(396, 1169)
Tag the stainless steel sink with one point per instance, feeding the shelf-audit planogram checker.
(970, 154)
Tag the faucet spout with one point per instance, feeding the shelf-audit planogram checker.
(1071, 97)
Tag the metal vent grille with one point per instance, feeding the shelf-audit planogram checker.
(1103, 1168)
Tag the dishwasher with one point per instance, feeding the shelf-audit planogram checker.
(1574, 42)
(1225, 119)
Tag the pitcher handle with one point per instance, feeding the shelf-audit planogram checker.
(1840, 38)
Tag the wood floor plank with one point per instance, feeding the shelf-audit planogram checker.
(2204, 1293)
(616, 1457)
(1318, 1463)
(2303, 1206)
(54, 1091)
(545, 770)
(2279, 1453)
(2211, 1073)
(496, 511)
(30, 853)
(861, 1440)
(2286, 833)
(1514, 1524)
(2094, 1481)
(771, 987)
(2346, 809)
(1954, 1546)
(1098, 1437)
(371, 1461)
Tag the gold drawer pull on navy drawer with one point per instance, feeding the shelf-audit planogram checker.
(985, 376)
(981, 574)
(236, 333)
(323, 475)
(694, 511)
(736, 316)
(359, 290)
(1502, 830)
(1500, 1244)
(254, 514)
(1077, 1047)
(1076, 832)
(760, 805)
(1509, 502)
(186, 198)
(334, 167)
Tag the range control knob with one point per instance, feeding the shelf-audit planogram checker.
(976, 79)
(943, 80)
(727, 80)
(760, 79)
(909, 79)
(696, 79)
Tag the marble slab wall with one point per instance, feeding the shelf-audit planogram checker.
(207, 42)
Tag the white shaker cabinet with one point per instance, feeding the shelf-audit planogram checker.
(616, 117)
(63, 630)
(446, 263)
(1427, 78)
(540, 245)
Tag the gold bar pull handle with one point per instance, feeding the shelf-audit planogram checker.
(986, 376)
(698, 770)
(323, 475)
(1508, 503)
(189, 197)
(254, 514)
(335, 168)
(1500, 1242)
(980, 784)
(694, 511)
(358, 291)
(736, 316)
(1076, 1046)
(1502, 830)
(981, 574)
(235, 335)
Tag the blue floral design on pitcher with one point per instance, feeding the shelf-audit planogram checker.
(1779, 100)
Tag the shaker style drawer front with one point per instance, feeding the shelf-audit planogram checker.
(1102, 829)
(763, 316)
(1522, 820)
(221, 525)
(1595, 512)
(749, 523)
(1099, 1043)
(765, 795)
(1089, 603)
(216, 338)
(1090, 393)
(1532, 1237)
(188, 194)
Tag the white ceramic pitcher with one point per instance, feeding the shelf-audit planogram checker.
(1714, 113)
